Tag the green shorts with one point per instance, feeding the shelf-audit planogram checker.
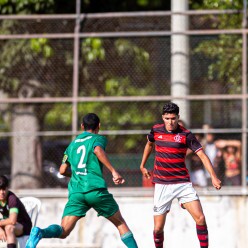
(100, 199)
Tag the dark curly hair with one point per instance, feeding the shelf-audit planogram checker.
(170, 108)
(90, 121)
(4, 182)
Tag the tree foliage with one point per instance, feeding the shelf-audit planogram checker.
(26, 65)
(25, 6)
(224, 50)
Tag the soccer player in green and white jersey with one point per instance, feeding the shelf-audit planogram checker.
(83, 161)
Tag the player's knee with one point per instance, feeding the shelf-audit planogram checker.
(9, 229)
(65, 234)
(201, 220)
(117, 219)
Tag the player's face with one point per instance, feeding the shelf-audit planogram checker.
(170, 121)
(3, 194)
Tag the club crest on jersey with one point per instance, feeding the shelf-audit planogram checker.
(178, 138)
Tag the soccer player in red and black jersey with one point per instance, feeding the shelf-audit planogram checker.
(170, 175)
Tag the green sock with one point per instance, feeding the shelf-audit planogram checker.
(128, 239)
(53, 231)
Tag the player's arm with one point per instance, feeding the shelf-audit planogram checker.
(207, 164)
(147, 151)
(224, 143)
(65, 169)
(102, 157)
(221, 143)
(12, 220)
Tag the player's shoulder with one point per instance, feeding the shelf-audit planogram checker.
(12, 198)
(158, 126)
(11, 194)
(100, 137)
(183, 129)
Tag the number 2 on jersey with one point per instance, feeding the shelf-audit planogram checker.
(81, 164)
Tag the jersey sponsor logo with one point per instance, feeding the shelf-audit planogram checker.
(81, 173)
(160, 137)
(82, 140)
(178, 138)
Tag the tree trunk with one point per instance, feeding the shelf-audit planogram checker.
(26, 149)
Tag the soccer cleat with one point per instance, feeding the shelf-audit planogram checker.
(34, 238)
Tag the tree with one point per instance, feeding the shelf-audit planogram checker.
(224, 50)
(18, 56)
(25, 73)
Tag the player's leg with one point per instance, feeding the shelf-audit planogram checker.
(52, 231)
(105, 205)
(195, 209)
(74, 210)
(125, 233)
(163, 197)
(60, 231)
(189, 200)
(158, 232)
(11, 232)
(68, 223)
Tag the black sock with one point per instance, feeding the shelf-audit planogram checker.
(11, 245)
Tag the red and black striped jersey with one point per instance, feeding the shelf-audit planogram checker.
(170, 153)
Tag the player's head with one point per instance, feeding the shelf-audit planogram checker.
(91, 122)
(170, 116)
(170, 108)
(4, 182)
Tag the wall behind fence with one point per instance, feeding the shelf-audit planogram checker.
(226, 218)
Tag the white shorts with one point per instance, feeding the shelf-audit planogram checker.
(164, 194)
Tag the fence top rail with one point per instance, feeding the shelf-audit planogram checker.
(122, 98)
(116, 132)
(118, 14)
(122, 34)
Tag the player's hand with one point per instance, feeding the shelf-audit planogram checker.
(145, 173)
(3, 237)
(216, 183)
(117, 178)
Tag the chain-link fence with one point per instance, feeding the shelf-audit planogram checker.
(56, 68)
